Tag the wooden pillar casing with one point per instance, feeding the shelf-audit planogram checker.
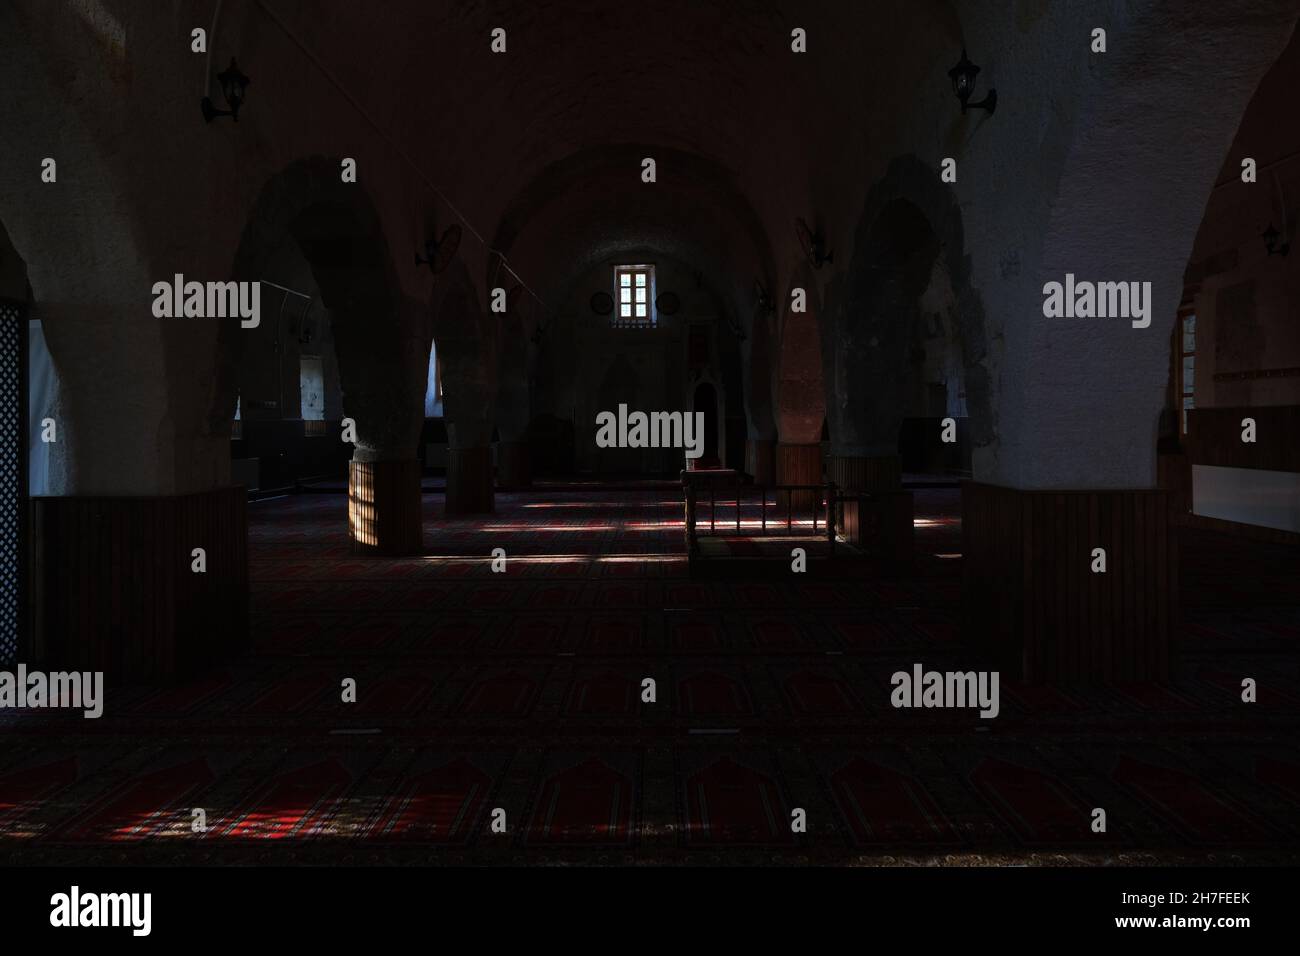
(863, 473)
(881, 523)
(1033, 605)
(115, 590)
(384, 507)
(799, 465)
(469, 481)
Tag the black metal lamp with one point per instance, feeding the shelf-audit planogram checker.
(234, 87)
(1275, 248)
(963, 84)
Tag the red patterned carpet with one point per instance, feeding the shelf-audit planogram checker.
(522, 691)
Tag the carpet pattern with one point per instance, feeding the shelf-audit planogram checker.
(501, 718)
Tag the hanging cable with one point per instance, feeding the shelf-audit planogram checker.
(396, 147)
(212, 39)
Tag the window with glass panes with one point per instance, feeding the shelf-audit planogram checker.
(634, 296)
(1186, 365)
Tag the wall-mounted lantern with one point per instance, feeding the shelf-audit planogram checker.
(234, 87)
(963, 84)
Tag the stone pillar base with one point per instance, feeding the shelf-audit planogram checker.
(799, 465)
(115, 590)
(760, 460)
(384, 507)
(1033, 605)
(514, 465)
(469, 481)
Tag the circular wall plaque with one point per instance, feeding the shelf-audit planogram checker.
(668, 303)
(602, 303)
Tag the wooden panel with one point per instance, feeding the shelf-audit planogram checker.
(1214, 437)
(384, 507)
(469, 481)
(881, 523)
(1034, 607)
(858, 473)
(117, 593)
(798, 465)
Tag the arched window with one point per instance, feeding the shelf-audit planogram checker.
(433, 385)
(311, 387)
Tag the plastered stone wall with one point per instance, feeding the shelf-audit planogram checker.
(1095, 164)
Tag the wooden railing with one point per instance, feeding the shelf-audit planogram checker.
(702, 490)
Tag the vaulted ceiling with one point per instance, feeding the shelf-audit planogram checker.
(541, 147)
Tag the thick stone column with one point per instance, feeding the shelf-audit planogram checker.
(514, 467)
(383, 369)
(469, 481)
(467, 338)
(470, 487)
(384, 507)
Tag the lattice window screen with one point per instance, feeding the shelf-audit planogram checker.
(13, 477)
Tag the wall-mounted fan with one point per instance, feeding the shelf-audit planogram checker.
(813, 245)
(734, 324)
(438, 253)
(602, 303)
(668, 303)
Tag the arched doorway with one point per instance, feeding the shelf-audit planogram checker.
(306, 215)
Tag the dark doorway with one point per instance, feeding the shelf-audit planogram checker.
(706, 401)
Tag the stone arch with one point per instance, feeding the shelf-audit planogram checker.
(380, 344)
(337, 229)
(1127, 202)
(909, 232)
